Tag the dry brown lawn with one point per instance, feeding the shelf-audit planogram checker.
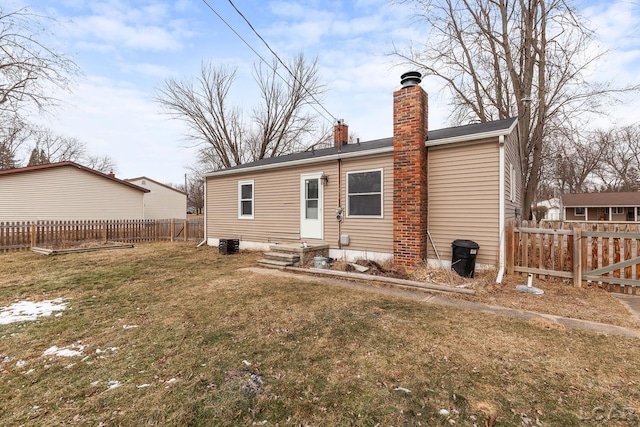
(168, 334)
(560, 298)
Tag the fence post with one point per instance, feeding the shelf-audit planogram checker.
(577, 256)
(510, 248)
(173, 229)
(186, 230)
(33, 235)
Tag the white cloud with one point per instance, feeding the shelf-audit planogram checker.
(120, 34)
(118, 120)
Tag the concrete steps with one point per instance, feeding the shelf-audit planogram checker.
(288, 255)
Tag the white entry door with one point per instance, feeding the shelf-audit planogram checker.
(311, 206)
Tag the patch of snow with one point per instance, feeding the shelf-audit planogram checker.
(29, 371)
(95, 383)
(24, 311)
(143, 385)
(129, 326)
(65, 351)
(20, 363)
(113, 384)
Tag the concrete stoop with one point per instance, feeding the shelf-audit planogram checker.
(292, 255)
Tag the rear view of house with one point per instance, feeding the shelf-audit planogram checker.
(397, 197)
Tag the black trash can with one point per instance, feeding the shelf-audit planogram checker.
(463, 257)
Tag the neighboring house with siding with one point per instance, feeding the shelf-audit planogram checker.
(389, 194)
(67, 191)
(618, 207)
(162, 201)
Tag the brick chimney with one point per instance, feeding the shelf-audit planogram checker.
(410, 112)
(340, 134)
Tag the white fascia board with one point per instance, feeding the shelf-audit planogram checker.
(473, 136)
(302, 161)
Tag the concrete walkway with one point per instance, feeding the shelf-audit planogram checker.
(630, 301)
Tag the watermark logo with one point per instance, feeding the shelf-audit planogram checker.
(610, 413)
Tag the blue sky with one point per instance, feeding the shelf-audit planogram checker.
(126, 48)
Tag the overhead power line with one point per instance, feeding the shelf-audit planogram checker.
(280, 60)
(333, 118)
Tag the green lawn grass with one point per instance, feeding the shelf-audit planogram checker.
(174, 335)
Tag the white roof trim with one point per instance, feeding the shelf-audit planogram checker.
(473, 136)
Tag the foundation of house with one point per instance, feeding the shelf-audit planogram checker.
(292, 254)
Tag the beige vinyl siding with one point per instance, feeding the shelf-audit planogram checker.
(66, 193)
(370, 234)
(464, 195)
(162, 202)
(277, 206)
(512, 157)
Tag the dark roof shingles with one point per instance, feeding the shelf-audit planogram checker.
(433, 135)
(582, 200)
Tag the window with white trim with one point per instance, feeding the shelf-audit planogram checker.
(579, 211)
(364, 193)
(245, 199)
(618, 210)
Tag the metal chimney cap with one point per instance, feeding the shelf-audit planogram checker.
(411, 78)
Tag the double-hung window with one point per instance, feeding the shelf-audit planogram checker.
(245, 199)
(364, 193)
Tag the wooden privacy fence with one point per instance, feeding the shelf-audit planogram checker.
(605, 253)
(27, 234)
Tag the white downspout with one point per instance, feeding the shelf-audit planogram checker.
(502, 222)
(205, 214)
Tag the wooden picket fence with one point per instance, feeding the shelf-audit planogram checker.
(28, 234)
(607, 254)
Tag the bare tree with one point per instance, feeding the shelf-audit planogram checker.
(620, 158)
(500, 58)
(279, 125)
(49, 147)
(28, 67)
(13, 136)
(57, 148)
(104, 164)
(195, 193)
(572, 162)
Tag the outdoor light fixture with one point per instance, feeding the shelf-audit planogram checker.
(324, 178)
